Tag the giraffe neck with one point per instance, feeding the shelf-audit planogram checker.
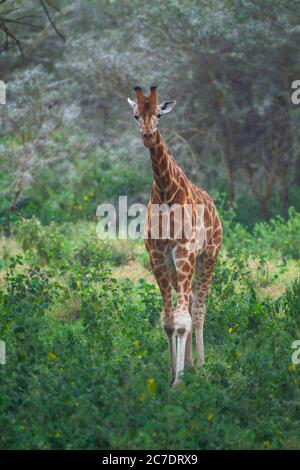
(163, 165)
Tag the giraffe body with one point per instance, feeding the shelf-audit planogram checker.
(177, 260)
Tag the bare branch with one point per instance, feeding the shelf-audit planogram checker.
(6, 21)
(50, 19)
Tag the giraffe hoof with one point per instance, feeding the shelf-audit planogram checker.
(176, 383)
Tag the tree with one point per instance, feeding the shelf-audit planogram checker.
(20, 19)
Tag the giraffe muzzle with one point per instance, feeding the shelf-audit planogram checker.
(147, 135)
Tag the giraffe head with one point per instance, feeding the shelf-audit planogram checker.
(146, 112)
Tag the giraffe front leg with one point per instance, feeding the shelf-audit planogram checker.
(188, 360)
(183, 324)
(164, 282)
(184, 263)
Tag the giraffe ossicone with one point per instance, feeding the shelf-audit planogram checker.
(176, 262)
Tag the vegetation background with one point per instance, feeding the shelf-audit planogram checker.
(86, 358)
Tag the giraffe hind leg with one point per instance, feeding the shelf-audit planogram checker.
(189, 360)
(204, 270)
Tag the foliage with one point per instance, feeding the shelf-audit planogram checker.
(100, 252)
(87, 360)
(11, 22)
(45, 242)
(67, 134)
(278, 238)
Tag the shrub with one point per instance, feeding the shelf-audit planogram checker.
(100, 379)
(43, 242)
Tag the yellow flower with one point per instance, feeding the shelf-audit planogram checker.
(292, 367)
(78, 283)
(183, 389)
(210, 417)
(58, 434)
(51, 356)
(136, 344)
(151, 386)
(142, 397)
(266, 444)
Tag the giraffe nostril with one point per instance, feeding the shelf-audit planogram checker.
(147, 135)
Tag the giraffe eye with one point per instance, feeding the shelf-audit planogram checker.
(136, 117)
(158, 115)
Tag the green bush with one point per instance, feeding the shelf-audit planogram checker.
(96, 252)
(278, 238)
(88, 182)
(44, 242)
(98, 378)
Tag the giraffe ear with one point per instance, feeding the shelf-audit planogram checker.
(131, 103)
(167, 106)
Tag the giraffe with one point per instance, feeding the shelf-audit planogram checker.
(176, 262)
